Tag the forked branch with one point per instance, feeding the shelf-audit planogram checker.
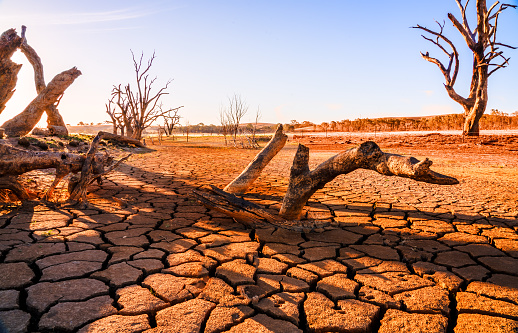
(304, 183)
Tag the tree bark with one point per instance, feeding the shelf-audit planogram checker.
(241, 184)
(9, 42)
(24, 122)
(303, 182)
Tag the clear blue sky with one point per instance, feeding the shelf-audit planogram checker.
(305, 60)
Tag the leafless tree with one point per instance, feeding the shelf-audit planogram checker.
(487, 57)
(237, 109)
(254, 126)
(116, 117)
(171, 119)
(224, 123)
(140, 107)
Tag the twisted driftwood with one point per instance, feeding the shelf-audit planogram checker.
(303, 183)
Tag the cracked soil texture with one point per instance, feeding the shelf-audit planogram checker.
(395, 255)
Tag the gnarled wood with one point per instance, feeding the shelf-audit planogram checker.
(9, 42)
(24, 122)
(11, 183)
(240, 184)
(303, 182)
(16, 161)
(93, 168)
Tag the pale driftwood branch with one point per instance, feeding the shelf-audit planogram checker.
(240, 184)
(53, 116)
(24, 122)
(303, 182)
(9, 42)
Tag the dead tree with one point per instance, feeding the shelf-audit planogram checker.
(224, 124)
(303, 182)
(237, 109)
(15, 162)
(140, 106)
(487, 57)
(116, 117)
(54, 118)
(171, 119)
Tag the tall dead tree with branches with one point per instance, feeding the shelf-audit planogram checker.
(139, 107)
(487, 57)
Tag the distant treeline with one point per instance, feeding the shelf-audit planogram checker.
(495, 120)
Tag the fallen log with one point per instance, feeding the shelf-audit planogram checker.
(123, 139)
(15, 162)
(241, 184)
(250, 214)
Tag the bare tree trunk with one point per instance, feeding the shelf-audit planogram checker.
(9, 42)
(241, 184)
(303, 182)
(23, 123)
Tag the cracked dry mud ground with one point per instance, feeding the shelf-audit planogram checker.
(399, 256)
